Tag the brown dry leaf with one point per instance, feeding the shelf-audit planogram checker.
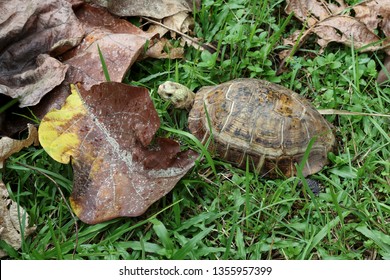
(374, 14)
(27, 32)
(177, 24)
(31, 85)
(346, 30)
(173, 13)
(181, 22)
(10, 222)
(155, 9)
(312, 11)
(107, 131)
(327, 21)
(10, 146)
(158, 50)
(119, 41)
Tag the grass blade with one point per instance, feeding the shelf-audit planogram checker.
(380, 239)
(163, 234)
(321, 234)
(190, 245)
(205, 152)
(104, 65)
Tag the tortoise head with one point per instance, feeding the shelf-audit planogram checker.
(179, 95)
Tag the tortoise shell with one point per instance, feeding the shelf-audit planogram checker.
(268, 123)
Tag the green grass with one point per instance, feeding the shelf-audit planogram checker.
(217, 211)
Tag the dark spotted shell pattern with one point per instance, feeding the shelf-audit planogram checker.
(266, 123)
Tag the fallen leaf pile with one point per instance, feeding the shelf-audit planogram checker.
(73, 40)
(106, 130)
(358, 25)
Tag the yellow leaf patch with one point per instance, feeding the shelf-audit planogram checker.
(58, 129)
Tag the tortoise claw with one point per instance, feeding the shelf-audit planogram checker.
(314, 186)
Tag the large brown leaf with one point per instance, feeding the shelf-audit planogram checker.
(107, 132)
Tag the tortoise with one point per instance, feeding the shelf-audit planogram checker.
(254, 119)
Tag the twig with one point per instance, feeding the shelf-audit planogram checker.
(63, 197)
(201, 46)
(348, 113)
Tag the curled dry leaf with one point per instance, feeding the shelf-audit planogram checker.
(332, 23)
(374, 14)
(10, 146)
(177, 24)
(31, 85)
(181, 22)
(164, 49)
(27, 32)
(107, 132)
(11, 219)
(346, 30)
(312, 11)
